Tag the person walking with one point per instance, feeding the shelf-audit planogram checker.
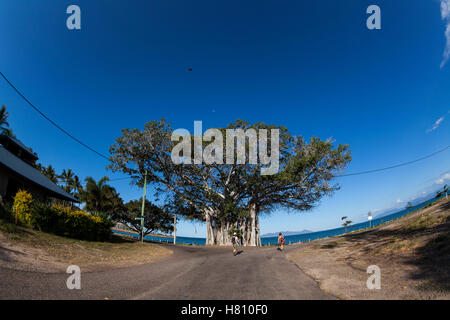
(281, 242)
(235, 241)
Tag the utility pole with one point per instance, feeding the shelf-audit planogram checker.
(175, 228)
(143, 206)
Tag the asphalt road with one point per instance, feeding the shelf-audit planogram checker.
(190, 273)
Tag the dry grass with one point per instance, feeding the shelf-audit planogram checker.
(413, 254)
(27, 249)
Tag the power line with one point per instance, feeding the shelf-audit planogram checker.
(369, 171)
(51, 121)
(106, 157)
(394, 166)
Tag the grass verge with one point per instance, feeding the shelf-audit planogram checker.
(412, 252)
(31, 250)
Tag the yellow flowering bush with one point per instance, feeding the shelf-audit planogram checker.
(70, 222)
(23, 206)
(96, 219)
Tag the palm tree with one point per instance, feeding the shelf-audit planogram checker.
(4, 125)
(76, 186)
(346, 223)
(100, 197)
(67, 178)
(50, 173)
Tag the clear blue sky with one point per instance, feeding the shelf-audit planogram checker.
(311, 66)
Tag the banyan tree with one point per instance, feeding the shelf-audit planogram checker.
(230, 195)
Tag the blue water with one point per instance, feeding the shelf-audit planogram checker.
(300, 237)
(183, 240)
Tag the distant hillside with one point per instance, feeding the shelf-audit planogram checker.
(414, 202)
(285, 233)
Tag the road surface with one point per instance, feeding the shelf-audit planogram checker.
(189, 273)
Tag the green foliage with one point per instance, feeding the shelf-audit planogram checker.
(4, 125)
(48, 219)
(306, 170)
(60, 220)
(347, 223)
(100, 197)
(67, 178)
(49, 172)
(23, 202)
(231, 194)
(155, 218)
(74, 223)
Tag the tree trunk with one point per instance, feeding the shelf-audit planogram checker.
(218, 232)
(252, 226)
(243, 229)
(224, 238)
(258, 233)
(209, 229)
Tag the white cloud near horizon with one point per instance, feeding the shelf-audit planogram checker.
(443, 179)
(445, 14)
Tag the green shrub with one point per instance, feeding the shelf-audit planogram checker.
(57, 219)
(74, 223)
(46, 218)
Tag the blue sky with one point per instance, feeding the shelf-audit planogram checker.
(311, 66)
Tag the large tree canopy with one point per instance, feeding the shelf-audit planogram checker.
(230, 196)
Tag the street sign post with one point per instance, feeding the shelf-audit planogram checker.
(143, 206)
(174, 229)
